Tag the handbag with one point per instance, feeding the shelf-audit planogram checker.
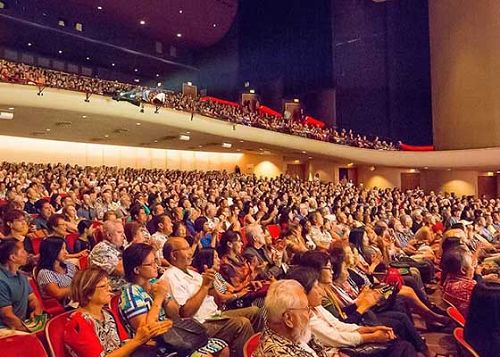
(186, 336)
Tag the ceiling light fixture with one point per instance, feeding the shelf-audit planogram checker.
(180, 11)
(99, 8)
(189, 83)
(184, 137)
(157, 75)
(11, 108)
(48, 129)
(136, 70)
(156, 141)
(179, 35)
(84, 116)
(158, 84)
(106, 136)
(227, 145)
(113, 64)
(29, 44)
(214, 25)
(138, 124)
(136, 80)
(87, 58)
(188, 132)
(252, 91)
(142, 22)
(60, 51)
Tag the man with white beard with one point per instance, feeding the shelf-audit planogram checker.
(288, 332)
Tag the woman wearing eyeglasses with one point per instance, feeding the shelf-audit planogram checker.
(91, 330)
(144, 299)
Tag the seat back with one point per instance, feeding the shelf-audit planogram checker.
(243, 233)
(114, 306)
(251, 345)
(49, 305)
(22, 345)
(456, 315)
(458, 333)
(274, 231)
(70, 241)
(55, 334)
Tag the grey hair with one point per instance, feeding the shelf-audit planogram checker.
(109, 226)
(280, 297)
(251, 232)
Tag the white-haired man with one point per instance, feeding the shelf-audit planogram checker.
(107, 255)
(288, 332)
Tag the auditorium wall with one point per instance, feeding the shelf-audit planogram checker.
(465, 69)
(18, 149)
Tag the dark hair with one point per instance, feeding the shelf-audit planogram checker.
(11, 216)
(314, 259)
(83, 225)
(337, 257)
(199, 222)
(453, 261)
(8, 247)
(204, 257)
(356, 239)
(483, 320)
(135, 209)
(306, 276)
(156, 220)
(49, 250)
(379, 230)
(131, 229)
(133, 257)
(39, 204)
(52, 222)
(227, 237)
(176, 226)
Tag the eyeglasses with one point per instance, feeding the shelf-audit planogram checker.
(103, 286)
(307, 308)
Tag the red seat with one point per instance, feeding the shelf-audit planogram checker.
(458, 333)
(274, 231)
(50, 305)
(251, 345)
(55, 333)
(84, 262)
(70, 241)
(35, 242)
(22, 345)
(243, 233)
(456, 315)
(114, 306)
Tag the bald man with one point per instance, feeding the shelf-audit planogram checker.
(193, 292)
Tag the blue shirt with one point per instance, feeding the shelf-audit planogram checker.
(14, 291)
(206, 241)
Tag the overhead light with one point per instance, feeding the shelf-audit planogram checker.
(426, 167)
(48, 129)
(227, 145)
(60, 51)
(6, 116)
(184, 137)
(490, 173)
(29, 44)
(351, 164)
(214, 25)
(138, 124)
(498, 172)
(252, 91)
(11, 108)
(106, 136)
(413, 171)
(87, 58)
(200, 146)
(113, 64)
(296, 100)
(372, 168)
(136, 70)
(180, 11)
(188, 132)
(238, 149)
(158, 84)
(304, 152)
(310, 157)
(179, 35)
(61, 23)
(448, 169)
(157, 75)
(189, 83)
(79, 26)
(99, 8)
(84, 116)
(142, 22)
(136, 80)
(241, 141)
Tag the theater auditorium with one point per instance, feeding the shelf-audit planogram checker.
(249, 178)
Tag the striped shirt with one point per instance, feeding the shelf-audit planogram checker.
(62, 280)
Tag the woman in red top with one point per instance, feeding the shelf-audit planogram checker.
(92, 330)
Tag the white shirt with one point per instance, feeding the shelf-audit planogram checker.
(159, 239)
(331, 332)
(184, 286)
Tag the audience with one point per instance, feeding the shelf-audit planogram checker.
(243, 115)
(216, 240)
(92, 330)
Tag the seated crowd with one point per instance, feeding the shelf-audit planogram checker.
(14, 72)
(319, 269)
